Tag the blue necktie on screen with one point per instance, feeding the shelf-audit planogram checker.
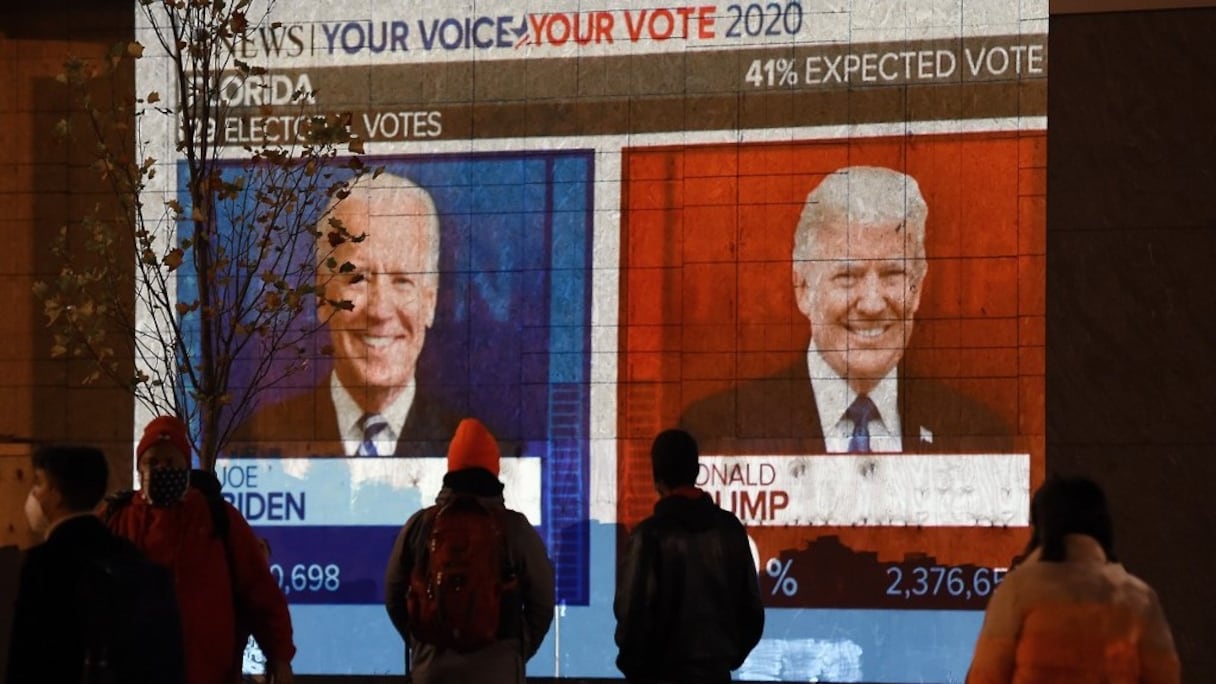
(861, 412)
(373, 424)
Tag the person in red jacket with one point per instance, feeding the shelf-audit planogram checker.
(171, 523)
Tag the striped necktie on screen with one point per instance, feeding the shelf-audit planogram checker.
(861, 412)
(373, 424)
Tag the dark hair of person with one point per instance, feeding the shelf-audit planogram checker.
(1033, 543)
(79, 472)
(673, 456)
(1072, 505)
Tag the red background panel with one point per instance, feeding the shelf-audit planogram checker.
(706, 243)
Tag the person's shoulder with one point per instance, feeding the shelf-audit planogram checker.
(303, 398)
(953, 414)
(72, 544)
(728, 521)
(122, 547)
(120, 551)
(653, 527)
(431, 417)
(931, 392)
(301, 425)
(516, 522)
(426, 397)
(417, 517)
(36, 557)
(86, 537)
(93, 529)
(77, 530)
(122, 506)
(286, 411)
(1030, 570)
(1143, 596)
(774, 413)
(235, 516)
(1137, 584)
(522, 539)
(199, 504)
(717, 410)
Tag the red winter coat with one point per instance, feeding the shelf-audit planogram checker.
(180, 538)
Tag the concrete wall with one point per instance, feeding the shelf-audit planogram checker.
(44, 185)
(1131, 320)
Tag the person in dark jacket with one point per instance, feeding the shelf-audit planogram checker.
(526, 610)
(687, 597)
(71, 604)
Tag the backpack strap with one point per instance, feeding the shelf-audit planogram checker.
(420, 542)
(209, 486)
(417, 553)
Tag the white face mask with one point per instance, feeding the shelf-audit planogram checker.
(34, 514)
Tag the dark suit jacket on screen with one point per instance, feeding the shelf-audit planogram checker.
(307, 425)
(778, 415)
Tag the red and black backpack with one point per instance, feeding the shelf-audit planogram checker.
(460, 576)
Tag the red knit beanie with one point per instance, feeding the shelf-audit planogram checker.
(164, 429)
(473, 447)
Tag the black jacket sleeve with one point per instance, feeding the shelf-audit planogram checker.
(750, 610)
(636, 586)
(536, 585)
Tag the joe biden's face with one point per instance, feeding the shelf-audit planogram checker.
(860, 290)
(393, 291)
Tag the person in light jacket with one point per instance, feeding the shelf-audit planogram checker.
(1070, 612)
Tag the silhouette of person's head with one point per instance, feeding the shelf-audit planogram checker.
(1070, 505)
(673, 458)
(67, 480)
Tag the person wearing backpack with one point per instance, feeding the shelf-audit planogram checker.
(90, 608)
(225, 589)
(469, 584)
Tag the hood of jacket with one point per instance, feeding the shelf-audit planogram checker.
(693, 509)
(476, 481)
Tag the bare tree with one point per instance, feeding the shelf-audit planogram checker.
(223, 265)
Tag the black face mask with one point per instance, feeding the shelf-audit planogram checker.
(167, 486)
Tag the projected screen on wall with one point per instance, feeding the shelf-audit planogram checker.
(617, 218)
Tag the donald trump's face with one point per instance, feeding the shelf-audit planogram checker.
(860, 290)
